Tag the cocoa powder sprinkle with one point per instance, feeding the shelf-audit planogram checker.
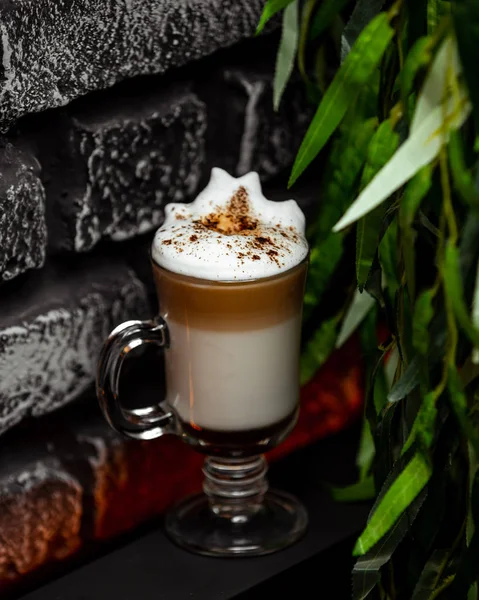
(236, 218)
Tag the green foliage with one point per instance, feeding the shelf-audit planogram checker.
(414, 193)
(362, 490)
(354, 73)
(418, 58)
(345, 163)
(271, 8)
(454, 291)
(396, 500)
(401, 162)
(423, 313)
(466, 24)
(381, 148)
(325, 15)
(318, 348)
(461, 175)
(287, 51)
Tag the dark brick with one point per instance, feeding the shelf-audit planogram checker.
(52, 325)
(57, 50)
(23, 230)
(112, 163)
(40, 514)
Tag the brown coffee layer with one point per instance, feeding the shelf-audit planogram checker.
(245, 442)
(225, 306)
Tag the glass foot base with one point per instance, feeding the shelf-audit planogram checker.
(280, 522)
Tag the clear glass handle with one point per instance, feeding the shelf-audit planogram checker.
(139, 423)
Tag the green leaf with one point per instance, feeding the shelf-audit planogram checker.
(345, 162)
(423, 426)
(454, 289)
(381, 148)
(318, 349)
(421, 321)
(421, 148)
(430, 575)
(469, 245)
(374, 360)
(404, 319)
(466, 23)
(388, 258)
(366, 570)
(461, 176)
(428, 225)
(435, 90)
(325, 15)
(432, 15)
(346, 159)
(362, 490)
(270, 9)
(468, 570)
(414, 193)
(459, 406)
(356, 70)
(399, 496)
(422, 521)
(360, 306)
(286, 52)
(427, 527)
(306, 14)
(412, 375)
(438, 111)
(363, 12)
(385, 433)
(366, 451)
(419, 57)
(390, 369)
(475, 313)
(408, 381)
(423, 313)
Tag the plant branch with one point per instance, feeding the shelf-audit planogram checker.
(447, 197)
(444, 585)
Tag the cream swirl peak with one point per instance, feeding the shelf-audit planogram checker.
(231, 232)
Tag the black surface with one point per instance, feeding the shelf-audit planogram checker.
(330, 570)
(151, 567)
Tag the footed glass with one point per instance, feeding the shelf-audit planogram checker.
(232, 377)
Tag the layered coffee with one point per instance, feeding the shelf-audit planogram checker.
(230, 269)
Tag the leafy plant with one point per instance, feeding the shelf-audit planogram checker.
(396, 130)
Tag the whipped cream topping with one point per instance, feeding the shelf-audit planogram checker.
(231, 232)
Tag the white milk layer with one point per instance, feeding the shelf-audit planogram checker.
(231, 232)
(233, 380)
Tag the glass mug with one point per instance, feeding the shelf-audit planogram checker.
(232, 378)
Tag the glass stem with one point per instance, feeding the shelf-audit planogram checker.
(235, 487)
